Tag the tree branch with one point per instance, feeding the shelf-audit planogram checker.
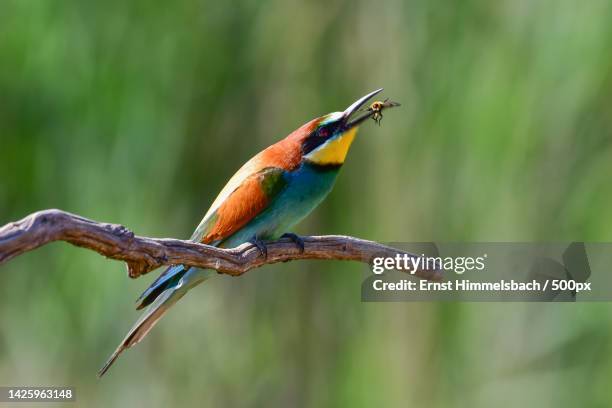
(143, 254)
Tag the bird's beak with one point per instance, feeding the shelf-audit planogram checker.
(355, 107)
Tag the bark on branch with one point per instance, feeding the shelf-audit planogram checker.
(143, 254)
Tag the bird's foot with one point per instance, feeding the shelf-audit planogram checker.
(260, 245)
(295, 238)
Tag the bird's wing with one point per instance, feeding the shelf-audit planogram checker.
(245, 195)
(227, 215)
(237, 207)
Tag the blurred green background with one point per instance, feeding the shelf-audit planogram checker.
(138, 112)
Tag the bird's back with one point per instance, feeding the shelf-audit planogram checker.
(285, 155)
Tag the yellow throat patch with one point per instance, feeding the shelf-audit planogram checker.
(333, 151)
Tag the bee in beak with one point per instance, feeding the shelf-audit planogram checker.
(376, 108)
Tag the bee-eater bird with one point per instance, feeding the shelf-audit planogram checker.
(270, 193)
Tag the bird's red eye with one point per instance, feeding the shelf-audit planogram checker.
(323, 132)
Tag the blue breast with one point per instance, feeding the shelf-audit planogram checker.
(306, 188)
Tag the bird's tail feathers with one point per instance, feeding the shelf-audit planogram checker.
(169, 278)
(155, 311)
(145, 323)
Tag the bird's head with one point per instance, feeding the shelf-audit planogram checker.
(327, 139)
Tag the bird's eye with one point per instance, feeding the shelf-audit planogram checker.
(323, 132)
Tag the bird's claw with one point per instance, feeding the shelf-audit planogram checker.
(295, 238)
(260, 245)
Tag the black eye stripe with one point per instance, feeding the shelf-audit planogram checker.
(316, 139)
